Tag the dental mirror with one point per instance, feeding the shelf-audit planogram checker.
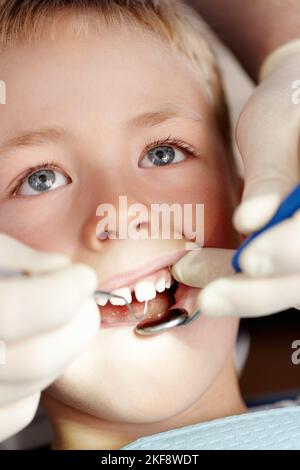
(173, 317)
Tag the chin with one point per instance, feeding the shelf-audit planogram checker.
(126, 378)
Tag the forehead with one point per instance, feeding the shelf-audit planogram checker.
(109, 73)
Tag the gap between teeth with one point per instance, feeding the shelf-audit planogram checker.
(144, 291)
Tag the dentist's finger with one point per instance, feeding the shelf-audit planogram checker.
(242, 296)
(13, 392)
(16, 256)
(199, 267)
(47, 355)
(36, 304)
(275, 252)
(17, 416)
(269, 148)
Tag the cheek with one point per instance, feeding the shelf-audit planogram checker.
(199, 184)
(128, 379)
(44, 225)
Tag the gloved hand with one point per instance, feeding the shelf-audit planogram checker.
(46, 320)
(268, 284)
(268, 138)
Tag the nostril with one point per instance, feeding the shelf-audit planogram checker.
(106, 234)
(142, 226)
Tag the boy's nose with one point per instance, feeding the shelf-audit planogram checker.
(117, 221)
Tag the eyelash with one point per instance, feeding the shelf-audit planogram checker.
(53, 165)
(180, 144)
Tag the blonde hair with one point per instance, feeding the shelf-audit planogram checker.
(23, 20)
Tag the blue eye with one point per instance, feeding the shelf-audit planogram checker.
(42, 181)
(162, 155)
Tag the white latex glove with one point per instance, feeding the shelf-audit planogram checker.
(269, 283)
(46, 320)
(268, 138)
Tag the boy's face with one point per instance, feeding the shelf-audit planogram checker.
(91, 90)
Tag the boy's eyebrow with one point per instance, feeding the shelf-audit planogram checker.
(48, 134)
(166, 112)
(149, 118)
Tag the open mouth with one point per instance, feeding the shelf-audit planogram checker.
(150, 297)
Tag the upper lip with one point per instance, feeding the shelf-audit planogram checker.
(130, 277)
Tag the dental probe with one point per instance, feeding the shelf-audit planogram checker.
(180, 316)
(173, 317)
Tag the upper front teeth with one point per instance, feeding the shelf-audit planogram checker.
(101, 299)
(144, 290)
(123, 292)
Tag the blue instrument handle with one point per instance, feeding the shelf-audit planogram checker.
(286, 209)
